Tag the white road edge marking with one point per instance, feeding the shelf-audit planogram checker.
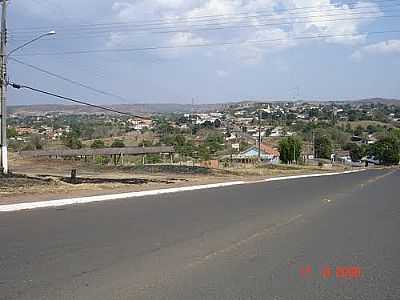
(83, 200)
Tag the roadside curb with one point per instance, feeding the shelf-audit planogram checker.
(92, 199)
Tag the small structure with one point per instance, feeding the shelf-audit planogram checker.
(343, 156)
(250, 155)
(211, 164)
(117, 154)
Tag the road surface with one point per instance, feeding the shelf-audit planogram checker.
(275, 240)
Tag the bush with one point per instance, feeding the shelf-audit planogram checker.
(97, 144)
(103, 160)
(118, 144)
(72, 141)
(35, 143)
(153, 159)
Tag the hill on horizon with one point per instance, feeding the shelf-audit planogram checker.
(154, 108)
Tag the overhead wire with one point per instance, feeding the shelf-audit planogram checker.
(278, 20)
(164, 30)
(71, 81)
(202, 45)
(252, 14)
(82, 102)
(239, 27)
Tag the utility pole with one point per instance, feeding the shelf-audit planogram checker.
(3, 89)
(191, 118)
(259, 135)
(313, 144)
(294, 152)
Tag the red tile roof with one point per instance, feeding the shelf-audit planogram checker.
(267, 149)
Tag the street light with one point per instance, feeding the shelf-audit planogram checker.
(52, 32)
(3, 85)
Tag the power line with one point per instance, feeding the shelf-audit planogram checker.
(20, 86)
(153, 48)
(209, 27)
(278, 24)
(68, 80)
(277, 19)
(167, 20)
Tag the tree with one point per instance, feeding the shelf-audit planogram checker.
(35, 143)
(323, 146)
(11, 132)
(204, 152)
(359, 130)
(207, 124)
(118, 144)
(97, 144)
(386, 150)
(217, 123)
(71, 140)
(182, 146)
(290, 150)
(214, 142)
(395, 133)
(356, 152)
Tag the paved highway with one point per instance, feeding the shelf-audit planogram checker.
(275, 240)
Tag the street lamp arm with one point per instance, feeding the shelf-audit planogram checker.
(30, 42)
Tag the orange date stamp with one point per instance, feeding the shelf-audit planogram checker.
(328, 272)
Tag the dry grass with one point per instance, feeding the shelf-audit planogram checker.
(364, 124)
(49, 178)
(283, 170)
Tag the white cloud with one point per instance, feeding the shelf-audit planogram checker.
(253, 53)
(61, 11)
(381, 48)
(169, 13)
(180, 40)
(222, 73)
(305, 24)
(346, 30)
(385, 47)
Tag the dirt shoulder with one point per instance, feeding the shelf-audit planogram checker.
(40, 180)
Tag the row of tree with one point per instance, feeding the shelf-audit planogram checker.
(386, 150)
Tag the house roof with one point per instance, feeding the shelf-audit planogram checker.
(269, 149)
(265, 150)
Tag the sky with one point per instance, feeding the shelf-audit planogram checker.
(173, 51)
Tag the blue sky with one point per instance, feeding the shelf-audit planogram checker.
(346, 64)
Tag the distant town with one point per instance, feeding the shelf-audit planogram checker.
(244, 132)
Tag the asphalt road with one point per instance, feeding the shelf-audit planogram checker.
(256, 241)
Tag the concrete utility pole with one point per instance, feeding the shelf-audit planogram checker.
(259, 135)
(294, 152)
(3, 82)
(313, 144)
(3, 89)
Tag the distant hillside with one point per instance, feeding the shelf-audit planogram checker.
(378, 100)
(129, 108)
(146, 109)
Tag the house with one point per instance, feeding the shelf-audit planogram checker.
(268, 153)
(277, 132)
(25, 130)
